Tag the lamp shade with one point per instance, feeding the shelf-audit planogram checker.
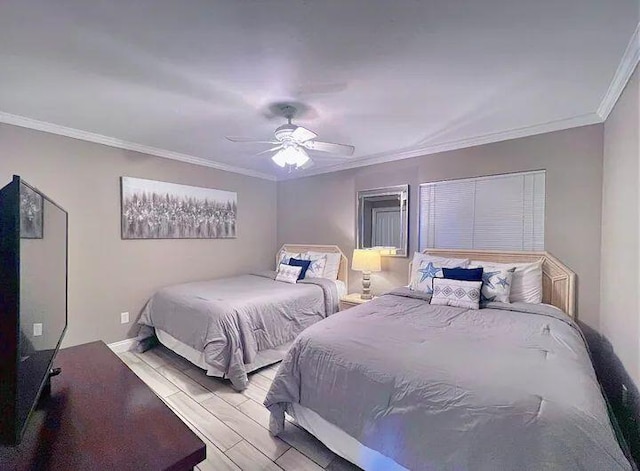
(365, 260)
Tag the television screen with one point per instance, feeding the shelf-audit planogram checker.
(43, 292)
(33, 300)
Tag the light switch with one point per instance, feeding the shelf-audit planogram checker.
(37, 329)
(124, 317)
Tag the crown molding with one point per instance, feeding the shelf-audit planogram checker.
(623, 74)
(391, 156)
(516, 133)
(51, 128)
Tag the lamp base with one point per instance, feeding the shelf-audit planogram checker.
(366, 285)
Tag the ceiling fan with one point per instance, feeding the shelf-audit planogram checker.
(292, 143)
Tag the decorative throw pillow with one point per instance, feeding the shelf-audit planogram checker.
(294, 262)
(332, 267)
(526, 286)
(496, 283)
(318, 263)
(420, 262)
(463, 274)
(426, 272)
(286, 256)
(456, 293)
(527, 283)
(288, 273)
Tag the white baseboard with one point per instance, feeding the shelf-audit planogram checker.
(123, 345)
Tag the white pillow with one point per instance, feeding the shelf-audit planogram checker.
(526, 286)
(332, 266)
(421, 261)
(286, 256)
(496, 282)
(318, 263)
(456, 293)
(288, 273)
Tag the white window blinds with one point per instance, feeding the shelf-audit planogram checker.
(501, 212)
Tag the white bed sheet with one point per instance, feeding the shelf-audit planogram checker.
(341, 443)
(263, 358)
(341, 287)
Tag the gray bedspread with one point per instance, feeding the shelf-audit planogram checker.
(508, 387)
(232, 319)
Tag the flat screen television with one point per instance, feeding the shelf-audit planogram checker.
(33, 300)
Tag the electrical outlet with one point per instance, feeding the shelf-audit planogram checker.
(37, 329)
(124, 318)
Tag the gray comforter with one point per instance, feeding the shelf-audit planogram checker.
(509, 387)
(232, 319)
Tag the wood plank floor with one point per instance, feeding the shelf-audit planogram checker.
(233, 425)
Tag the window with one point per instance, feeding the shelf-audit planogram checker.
(500, 212)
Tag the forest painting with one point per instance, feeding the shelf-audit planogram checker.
(31, 213)
(159, 210)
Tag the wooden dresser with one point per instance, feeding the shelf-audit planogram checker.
(100, 415)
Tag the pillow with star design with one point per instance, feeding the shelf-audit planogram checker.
(285, 256)
(317, 266)
(426, 267)
(496, 282)
(527, 281)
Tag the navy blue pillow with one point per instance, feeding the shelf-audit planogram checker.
(294, 262)
(463, 274)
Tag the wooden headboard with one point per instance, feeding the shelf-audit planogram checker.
(343, 272)
(558, 280)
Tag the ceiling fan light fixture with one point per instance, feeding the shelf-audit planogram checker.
(279, 159)
(292, 142)
(291, 155)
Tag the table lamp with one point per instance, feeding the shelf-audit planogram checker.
(366, 261)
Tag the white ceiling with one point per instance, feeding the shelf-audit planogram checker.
(391, 78)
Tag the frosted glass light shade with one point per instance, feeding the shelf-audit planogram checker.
(292, 155)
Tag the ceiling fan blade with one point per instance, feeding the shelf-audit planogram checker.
(268, 150)
(340, 149)
(330, 158)
(310, 163)
(302, 135)
(251, 140)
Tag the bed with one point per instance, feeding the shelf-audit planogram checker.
(232, 326)
(401, 384)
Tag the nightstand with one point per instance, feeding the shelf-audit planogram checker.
(352, 300)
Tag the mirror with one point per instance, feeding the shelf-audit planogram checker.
(383, 220)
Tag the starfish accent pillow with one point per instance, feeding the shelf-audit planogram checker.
(496, 283)
(317, 266)
(527, 281)
(332, 267)
(425, 267)
(286, 256)
(427, 272)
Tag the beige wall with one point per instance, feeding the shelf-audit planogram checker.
(108, 275)
(321, 209)
(620, 283)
